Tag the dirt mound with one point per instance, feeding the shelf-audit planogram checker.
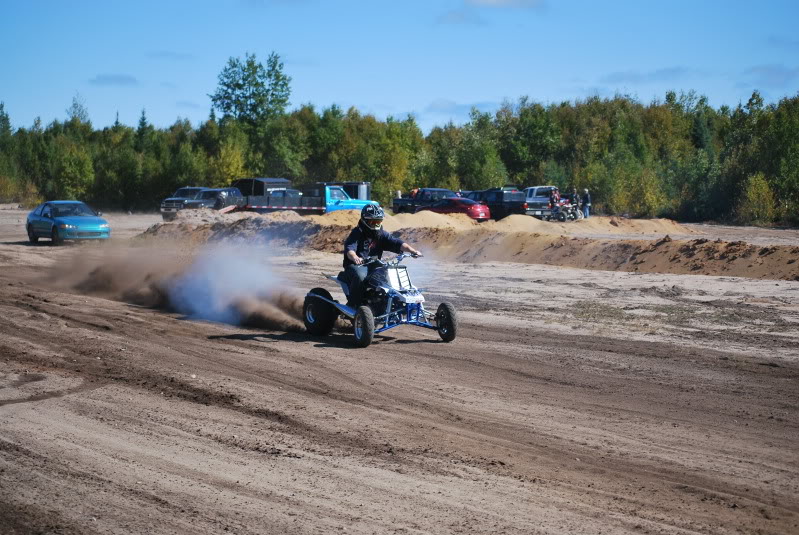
(597, 243)
(618, 225)
(427, 219)
(347, 218)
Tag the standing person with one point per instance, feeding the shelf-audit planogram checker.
(586, 203)
(365, 240)
(575, 198)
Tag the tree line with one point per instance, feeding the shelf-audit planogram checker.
(677, 157)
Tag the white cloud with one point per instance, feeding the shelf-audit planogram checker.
(524, 4)
(461, 16)
(667, 74)
(772, 75)
(125, 80)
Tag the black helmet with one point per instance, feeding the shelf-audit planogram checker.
(372, 217)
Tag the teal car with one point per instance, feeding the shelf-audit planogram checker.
(66, 220)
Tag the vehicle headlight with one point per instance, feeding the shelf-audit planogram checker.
(104, 225)
(65, 225)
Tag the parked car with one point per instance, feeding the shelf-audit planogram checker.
(538, 204)
(423, 197)
(502, 202)
(66, 220)
(214, 198)
(537, 198)
(172, 205)
(455, 205)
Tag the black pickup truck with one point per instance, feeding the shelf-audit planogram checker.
(501, 202)
(196, 197)
(423, 197)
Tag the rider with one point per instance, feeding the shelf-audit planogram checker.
(365, 240)
(554, 201)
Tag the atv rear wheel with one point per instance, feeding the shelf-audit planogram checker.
(319, 315)
(447, 322)
(364, 326)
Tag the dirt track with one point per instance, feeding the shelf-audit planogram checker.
(573, 400)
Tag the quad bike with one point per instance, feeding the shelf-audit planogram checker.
(565, 212)
(558, 212)
(389, 300)
(573, 211)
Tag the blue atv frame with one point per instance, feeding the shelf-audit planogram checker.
(390, 299)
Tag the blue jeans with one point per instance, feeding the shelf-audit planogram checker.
(355, 275)
(586, 209)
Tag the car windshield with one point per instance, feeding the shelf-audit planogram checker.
(186, 193)
(208, 194)
(466, 202)
(72, 209)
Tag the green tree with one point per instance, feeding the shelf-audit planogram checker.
(250, 92)
(325, 138)
(72, 170)
(479, 163)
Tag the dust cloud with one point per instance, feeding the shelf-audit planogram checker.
(229, 283)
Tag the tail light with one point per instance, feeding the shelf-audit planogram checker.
(524, 206)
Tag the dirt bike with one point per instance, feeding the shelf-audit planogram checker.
(389, 300)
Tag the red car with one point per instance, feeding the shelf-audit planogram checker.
(459, 205)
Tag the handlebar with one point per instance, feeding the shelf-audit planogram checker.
(396, 260)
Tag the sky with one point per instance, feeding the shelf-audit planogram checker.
(433, 59)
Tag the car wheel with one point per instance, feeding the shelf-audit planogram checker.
(364, 326)
(33, 238)
(319, 316)
(447, 322)
(55, 238)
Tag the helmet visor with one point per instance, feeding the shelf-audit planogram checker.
(374, 224)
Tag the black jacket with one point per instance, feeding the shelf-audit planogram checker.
(367, 243)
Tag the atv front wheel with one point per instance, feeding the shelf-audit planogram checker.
(447, 322)
(364, 326)
(319, 315)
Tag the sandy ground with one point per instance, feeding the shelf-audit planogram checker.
(581, 395)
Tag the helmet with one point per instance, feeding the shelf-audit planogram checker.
(372, 217)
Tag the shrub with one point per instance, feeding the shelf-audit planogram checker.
(757, 201)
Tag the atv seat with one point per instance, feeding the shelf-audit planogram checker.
(341, 278)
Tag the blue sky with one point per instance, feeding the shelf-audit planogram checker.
(434, 59)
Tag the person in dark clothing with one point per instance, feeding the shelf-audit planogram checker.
(574, 198)
(365, 240)
(586, 203)
(554, 201)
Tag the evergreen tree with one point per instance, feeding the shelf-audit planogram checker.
(251, 93)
